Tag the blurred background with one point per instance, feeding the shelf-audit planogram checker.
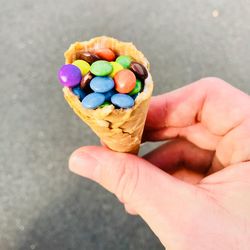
(42, 204)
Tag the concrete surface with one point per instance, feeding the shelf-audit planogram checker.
(43, 205)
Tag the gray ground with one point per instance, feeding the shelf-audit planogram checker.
(43, 205)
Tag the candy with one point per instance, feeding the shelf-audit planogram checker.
(82, 65)
(139, 70)
(69, 75)
(79, 92)
(86, 80)
(93, 100)
(125, 81)
(101, 84)
(105, 104)
(109, 94)
(101, 68)
(87, 56)
(116, 68)
(122, 100)
(125, 61)
(137, 88)
(105, 54)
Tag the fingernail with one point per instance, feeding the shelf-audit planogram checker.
(82, 163)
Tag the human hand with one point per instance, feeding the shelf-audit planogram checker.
(193, 192)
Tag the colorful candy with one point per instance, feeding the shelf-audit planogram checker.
(100, 79)
(116, 68)
(125, 81)
(101, 84)
(122, 101)
(101, 68)
(87, 56)
(79, 92)
(93, 100)
(139, 70)
(137, 88)
(105, 54)
(86, 80)
(125, 61)
(69, 75)
(82, 65)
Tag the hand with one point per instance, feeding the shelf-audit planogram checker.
(193, 191)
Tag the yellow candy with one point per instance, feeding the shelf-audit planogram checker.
(116, 68)
(82, 65)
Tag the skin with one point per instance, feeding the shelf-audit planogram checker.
(194, 190)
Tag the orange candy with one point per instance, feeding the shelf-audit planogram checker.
(125, 81)
(105, 54)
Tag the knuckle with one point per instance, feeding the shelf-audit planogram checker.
(127, 181)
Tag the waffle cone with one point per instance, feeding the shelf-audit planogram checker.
(120, 129)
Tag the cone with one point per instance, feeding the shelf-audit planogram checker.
(120, 129)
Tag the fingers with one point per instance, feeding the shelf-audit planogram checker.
(137, 183)
(210, 101)
(129, 209)
(180, 153)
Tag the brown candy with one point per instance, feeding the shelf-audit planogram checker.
(86, 80)
(139, 70)
(87, 56)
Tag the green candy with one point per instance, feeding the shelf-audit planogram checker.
(125, 61)
(104, 104)
(137, 88)
(101, 68)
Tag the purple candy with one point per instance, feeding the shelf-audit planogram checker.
(69, 75)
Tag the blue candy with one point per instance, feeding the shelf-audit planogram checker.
(109, 94)
(101, 84)
(79, 92)
(93, 100)
(122, 101)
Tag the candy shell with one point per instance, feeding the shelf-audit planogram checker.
(122, 101)
(109, 94)
(86, 80)
(105, 54)
(93, 100)
(101, 84)
(69, 75)
(116, 68)
(82, 65)
(125, 81)
(137, 88)
(79, 92)
(139, 70)
(105, 104)
(87, 56)
(125, 61)
(101, 68)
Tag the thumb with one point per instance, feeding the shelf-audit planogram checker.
(156, 196)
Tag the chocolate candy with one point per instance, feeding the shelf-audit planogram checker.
(122, 101)
(101, 84)
(137, 88)
(69, 75)
(125, 61)
(93, 100)
(86, 80)
(116, 68)
(109, 94)
(87, 56)
(79, 92)
(125, 81)
(105, 54)
(82, 65)
(105, 104)
(101, 68)
(139, 70)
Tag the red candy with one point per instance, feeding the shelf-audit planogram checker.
(125, 81)
(105, 54)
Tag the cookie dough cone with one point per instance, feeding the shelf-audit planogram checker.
(120, 129)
